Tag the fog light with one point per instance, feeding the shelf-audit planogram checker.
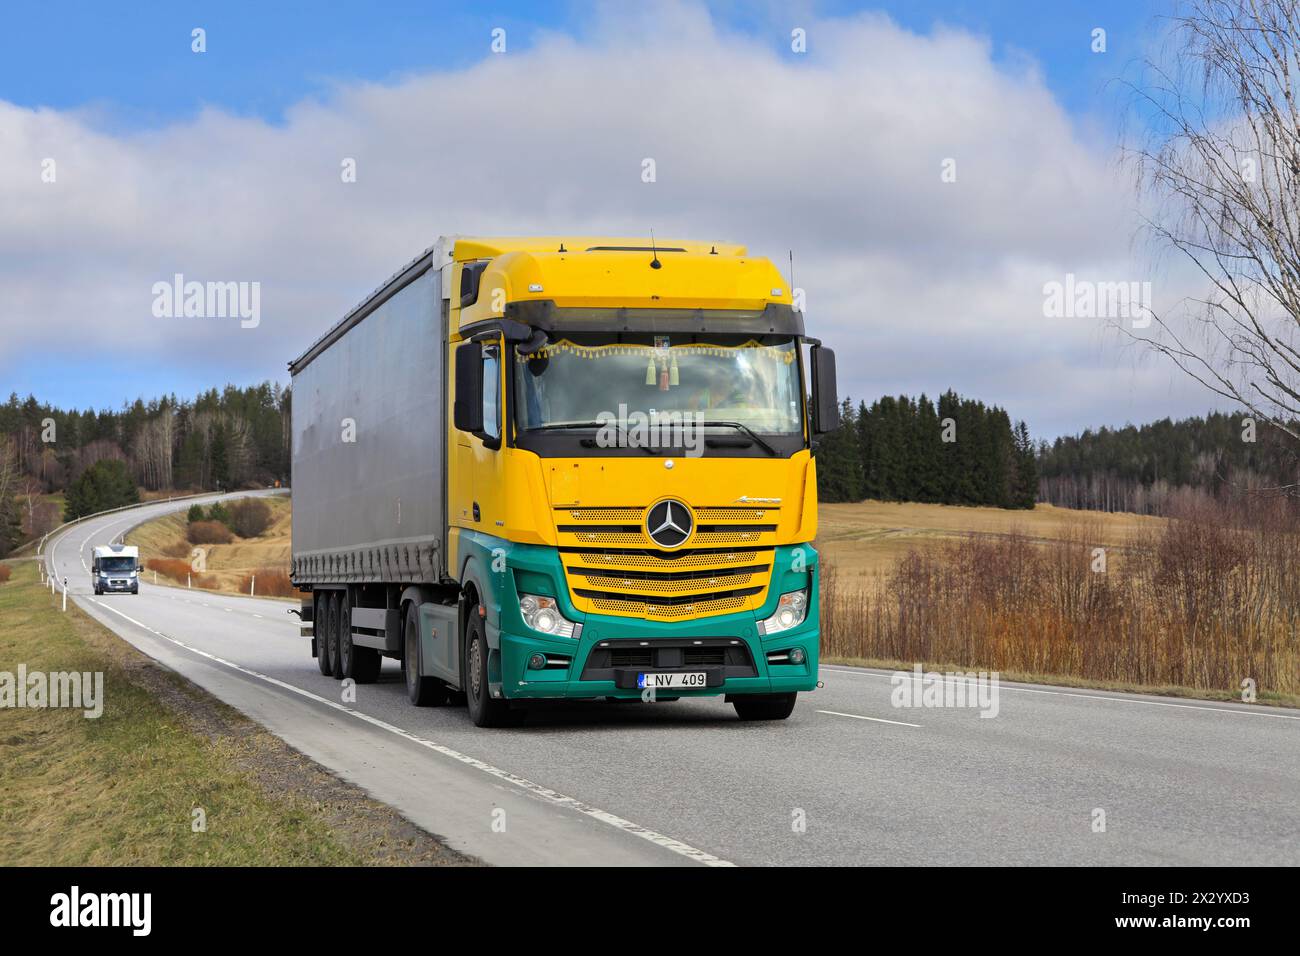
(537, 662)
(797, 655)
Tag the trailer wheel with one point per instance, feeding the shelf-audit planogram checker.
(347, 660)
(336, 627)
(484, 710)
(422, 691)
(360, 663)
(765, 707)
(320, 628)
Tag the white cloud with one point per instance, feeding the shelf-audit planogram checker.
(919, 284)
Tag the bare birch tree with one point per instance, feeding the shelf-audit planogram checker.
(1219, 173)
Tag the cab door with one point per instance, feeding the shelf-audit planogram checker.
(477, 489)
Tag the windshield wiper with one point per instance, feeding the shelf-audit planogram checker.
(622, 435)
(748, 431)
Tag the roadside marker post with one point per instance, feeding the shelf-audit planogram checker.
(252, 586)
(65, 594)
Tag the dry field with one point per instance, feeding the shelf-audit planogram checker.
(1206, 602)
(872, 536)
(163, 547)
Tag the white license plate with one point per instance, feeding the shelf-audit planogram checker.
(672, 680)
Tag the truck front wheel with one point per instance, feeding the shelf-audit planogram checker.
(765, 706)
(422, 691)
(484, 709)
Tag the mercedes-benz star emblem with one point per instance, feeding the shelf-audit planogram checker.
(668, 523)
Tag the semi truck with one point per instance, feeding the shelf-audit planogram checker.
(565, 467)
(115, 568)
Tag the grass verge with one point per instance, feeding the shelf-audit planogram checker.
(121, 789)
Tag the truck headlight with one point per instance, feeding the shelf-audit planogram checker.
(543, 614)
(790, 612)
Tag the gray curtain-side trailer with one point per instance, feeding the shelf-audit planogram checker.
(369, 468)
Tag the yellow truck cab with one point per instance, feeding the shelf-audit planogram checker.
(565, 467)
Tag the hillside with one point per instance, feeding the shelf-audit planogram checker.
(227, 566)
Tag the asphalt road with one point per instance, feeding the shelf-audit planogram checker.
(849, 779)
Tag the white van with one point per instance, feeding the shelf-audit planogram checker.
(116, 567)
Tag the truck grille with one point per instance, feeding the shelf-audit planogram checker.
(613, 567)
(635, 535)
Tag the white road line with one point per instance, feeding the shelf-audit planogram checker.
(1002, 688)
(879, 720)
(551, 796)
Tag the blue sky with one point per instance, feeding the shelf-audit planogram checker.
(133, 60)
(120, 81)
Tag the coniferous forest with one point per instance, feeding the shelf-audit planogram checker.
(957, 451)
(227, 439)
(1144, 469)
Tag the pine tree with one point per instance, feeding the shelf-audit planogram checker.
(1026, 483)
(105, 484)
(839, 460)
(11, 525)
(218, 456)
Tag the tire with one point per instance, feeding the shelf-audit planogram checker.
(347, 660)
(336, 669)
(765, 707)
(420, 690)
(360, 663)
(320, 627)
(484, 710)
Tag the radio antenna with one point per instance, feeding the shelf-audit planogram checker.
(654, 260)
(791, 273)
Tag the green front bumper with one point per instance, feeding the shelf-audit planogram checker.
(537, 570)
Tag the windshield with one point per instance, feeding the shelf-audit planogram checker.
(575, 381)
(116, 565)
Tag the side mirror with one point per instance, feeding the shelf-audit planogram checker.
(467, 410)
(826, 403)
(470, 274)
(139, 569)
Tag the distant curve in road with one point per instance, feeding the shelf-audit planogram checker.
(848, 779)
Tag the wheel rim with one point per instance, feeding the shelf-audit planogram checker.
(475, 666)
